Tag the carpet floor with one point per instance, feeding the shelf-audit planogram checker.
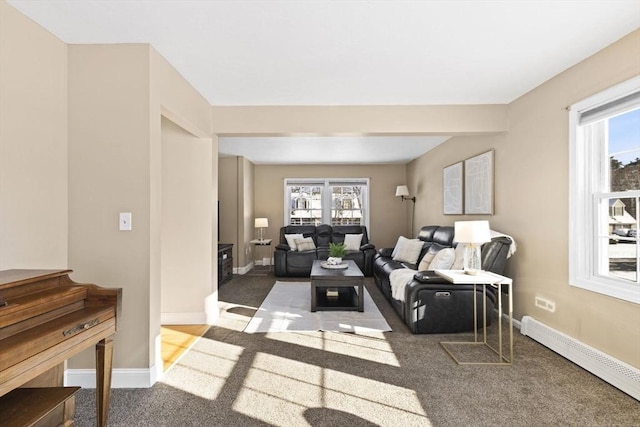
(231, 378)
(288, 308)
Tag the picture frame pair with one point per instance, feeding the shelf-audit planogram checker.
(467, 186)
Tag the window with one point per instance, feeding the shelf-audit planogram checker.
(326, 201)
(604, 192)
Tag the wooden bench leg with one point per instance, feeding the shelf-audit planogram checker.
(104, 359)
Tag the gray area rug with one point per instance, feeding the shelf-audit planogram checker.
(288, 308)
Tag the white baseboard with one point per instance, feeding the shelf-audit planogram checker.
(120, 378)
(614, 371)
(243, 270)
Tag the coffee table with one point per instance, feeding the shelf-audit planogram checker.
(343, 283)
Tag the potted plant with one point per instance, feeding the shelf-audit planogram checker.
(336, 252)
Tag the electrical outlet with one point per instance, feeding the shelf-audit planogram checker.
(545, 304)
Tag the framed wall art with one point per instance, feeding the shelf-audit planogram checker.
(452, 189)
(478, 184)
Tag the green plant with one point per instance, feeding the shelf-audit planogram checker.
(337, 250)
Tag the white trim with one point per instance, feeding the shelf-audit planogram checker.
(614, 371)
(325, 183)
(243, 270)
(583, 184)
(120, 378)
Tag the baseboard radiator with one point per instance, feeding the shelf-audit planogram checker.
(615, 372)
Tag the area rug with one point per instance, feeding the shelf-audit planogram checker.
(287, 308)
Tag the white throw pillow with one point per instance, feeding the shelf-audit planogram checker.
(458, 262)
(408, 250)
(291, 240)
(443, 259)
(425, 262)
(353, 241)
(399, 243)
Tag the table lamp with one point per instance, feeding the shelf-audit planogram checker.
(261, 223)
(472, 234)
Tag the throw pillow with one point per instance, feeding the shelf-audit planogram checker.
(426, 260)
(291, 240)
(398, 245)
(353, 241)
(443, 259)
(458, 262)
(305, 244)
(409, 251)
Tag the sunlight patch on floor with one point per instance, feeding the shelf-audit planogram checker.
(177, 339)
(234, 316)
(206, 369)
(286, 392)
(371, 346)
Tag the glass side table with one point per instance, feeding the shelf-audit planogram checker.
(263, 243)
(484, 279)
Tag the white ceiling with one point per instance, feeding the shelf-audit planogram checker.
(351, 52)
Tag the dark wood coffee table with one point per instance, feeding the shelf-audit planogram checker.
(341, 281)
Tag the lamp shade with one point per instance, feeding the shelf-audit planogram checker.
(472, 231)
(402, 190)
(261, 223)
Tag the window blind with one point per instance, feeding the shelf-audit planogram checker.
(617, 106)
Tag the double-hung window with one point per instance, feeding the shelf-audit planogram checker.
(326, 201)
(604, 192)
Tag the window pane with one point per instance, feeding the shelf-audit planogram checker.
(347, 205)
(624, 152)
(306, 205)
(620, 243)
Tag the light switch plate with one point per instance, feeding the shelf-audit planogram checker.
(125, 221)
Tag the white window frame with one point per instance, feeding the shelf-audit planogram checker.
(585, 191)
(326, 184)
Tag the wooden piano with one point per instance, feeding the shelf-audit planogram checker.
(45, 318)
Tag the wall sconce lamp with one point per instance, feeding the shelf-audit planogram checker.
(261, 223)
(403, 192)
(472, 234)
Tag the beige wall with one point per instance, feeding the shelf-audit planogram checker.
(531, 172)
(236, 189)
(109, 172)
(33, 144)
(228, 197)
(388, 213)
(360, 120)
(186, 244)
(246, 198)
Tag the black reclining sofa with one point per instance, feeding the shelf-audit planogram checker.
(433, 305)
(290, 263)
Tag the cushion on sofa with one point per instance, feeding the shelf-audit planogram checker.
(443, 259)
(352, 241)
(407, 250)
(291, 240)
(425, 262)
(458, 262)
(305, 244)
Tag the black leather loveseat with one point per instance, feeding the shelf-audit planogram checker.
(431, 304)
(298, 263)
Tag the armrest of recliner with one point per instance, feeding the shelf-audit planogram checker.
(368, 246)
(385, 252)
(283, 247)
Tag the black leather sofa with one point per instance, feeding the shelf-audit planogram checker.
(433, 305)
(290, 263)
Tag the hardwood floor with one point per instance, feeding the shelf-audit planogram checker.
(177, 339)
